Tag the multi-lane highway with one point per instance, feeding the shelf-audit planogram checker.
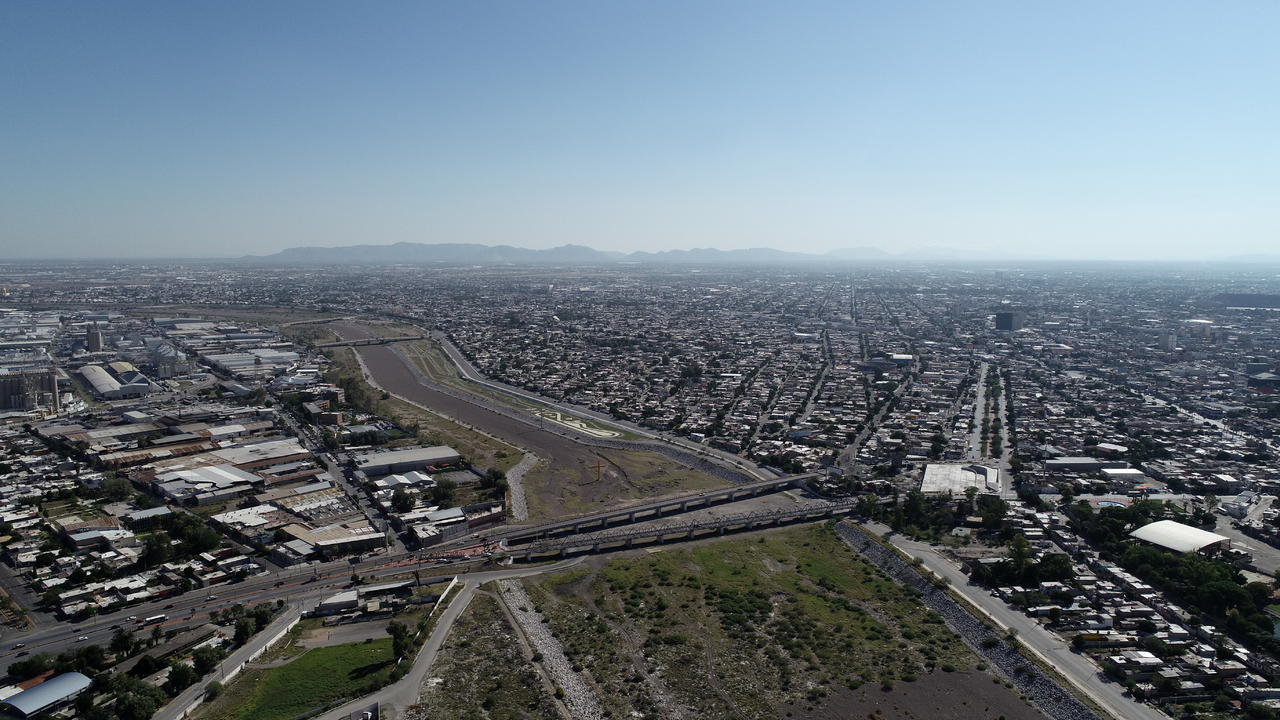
(308, 584)
(304, 584)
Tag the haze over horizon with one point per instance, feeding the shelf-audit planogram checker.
(1089, 130)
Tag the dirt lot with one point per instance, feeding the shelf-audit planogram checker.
(781, 624)
(965, 695)
(483, 672)
(342, 634)
(571, 478)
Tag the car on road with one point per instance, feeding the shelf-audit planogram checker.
(18, 646)
(82, 638)
(169, 606)
(132, 617)
(210, 597)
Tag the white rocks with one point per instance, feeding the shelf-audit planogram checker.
(578, 696)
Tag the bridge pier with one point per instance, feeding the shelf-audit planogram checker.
(720, 531)
(684, 506)
(628, 543)
(631, 516)
(595, 547)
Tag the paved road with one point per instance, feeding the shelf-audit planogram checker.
(1077, 668)
(301, 584)
(974, 453)
(399, 696)
(849, 455)
(374, 514)
(296, 584)
(1266, 557)
(251, 649)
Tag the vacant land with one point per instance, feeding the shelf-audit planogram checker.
(789, 622)
(58, 509)
(961, 695)
(482, 672)
(315, 679)
(601, 479)
(309, 334)
(572, 478)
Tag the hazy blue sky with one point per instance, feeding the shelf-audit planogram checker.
(1074, 129)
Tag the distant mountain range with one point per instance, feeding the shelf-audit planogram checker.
(473, 254)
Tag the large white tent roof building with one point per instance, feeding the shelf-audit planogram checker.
(1180, 538)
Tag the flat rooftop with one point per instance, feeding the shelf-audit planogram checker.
(424, 455)
(941, 478)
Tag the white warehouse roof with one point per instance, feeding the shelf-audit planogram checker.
(1177, 537)
(49, 693)
(940, 478)
(100, 379)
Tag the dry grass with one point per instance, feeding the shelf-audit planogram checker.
(743, 628)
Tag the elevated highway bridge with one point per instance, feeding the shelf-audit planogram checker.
(660, 508)
(372, 341)
(622, 539)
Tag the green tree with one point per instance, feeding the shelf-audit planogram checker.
(205, 659)
(157, 548)
(401, 501)
(31, 666)
(122, 643)
(401, 642)
(261, 614)
(491, 478)
(146, 665)
(245, 628)
(443, 493)
(117, 488)
(1020, 554)
(181, 677)
(135, 706)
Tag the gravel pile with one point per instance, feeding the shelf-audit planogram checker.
(515, 482)
(578, 696)
(1028, 678)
